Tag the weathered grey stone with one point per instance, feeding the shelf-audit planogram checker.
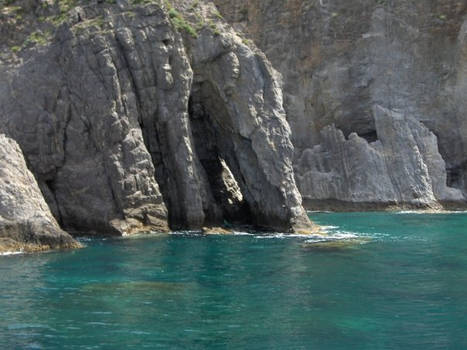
(240, 96)
(340, 58)
(103, 115)
(403, 167)
(72, 108)
(26, 222)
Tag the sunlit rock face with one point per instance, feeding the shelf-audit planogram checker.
(26, 223)
(342, 62)
(131, 123)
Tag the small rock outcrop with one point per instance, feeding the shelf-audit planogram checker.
(26, 223)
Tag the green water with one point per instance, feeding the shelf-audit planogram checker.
(405, 288)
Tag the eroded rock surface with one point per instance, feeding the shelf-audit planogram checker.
(129, 126)
(239, 96)
(340, 59)
(402, 167)
(26, 222)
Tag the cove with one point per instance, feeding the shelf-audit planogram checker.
(402, 284)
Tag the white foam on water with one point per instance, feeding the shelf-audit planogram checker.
(11, 253)
(344, 235)
(420, 212)
(281, 235)
(337, 236)
(328, 228)
(240, 233)
(185, 233)
(141, 235)
(332, 233)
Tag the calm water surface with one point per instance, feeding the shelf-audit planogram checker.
(403, 288)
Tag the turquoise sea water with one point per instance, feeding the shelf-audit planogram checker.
(403, 288)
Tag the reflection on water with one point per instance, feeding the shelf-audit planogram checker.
(378, 281)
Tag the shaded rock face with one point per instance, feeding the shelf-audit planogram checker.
(26, 222)
(130, 127)
(342, 60)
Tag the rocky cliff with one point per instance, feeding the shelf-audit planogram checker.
(137, 115)
(375, 94)
(146, 115)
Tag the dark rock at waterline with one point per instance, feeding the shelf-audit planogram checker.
(26, 223)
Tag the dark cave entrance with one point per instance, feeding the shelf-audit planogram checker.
(370, 135)
(211, 131)
(456, 176)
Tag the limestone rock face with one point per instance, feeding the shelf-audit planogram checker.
(339, 59)
(26, 222)
(130, 126)
(402, 167)
(73, 107)
(238, 96)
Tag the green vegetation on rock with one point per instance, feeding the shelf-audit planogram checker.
(180, 23)
(38, 37)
